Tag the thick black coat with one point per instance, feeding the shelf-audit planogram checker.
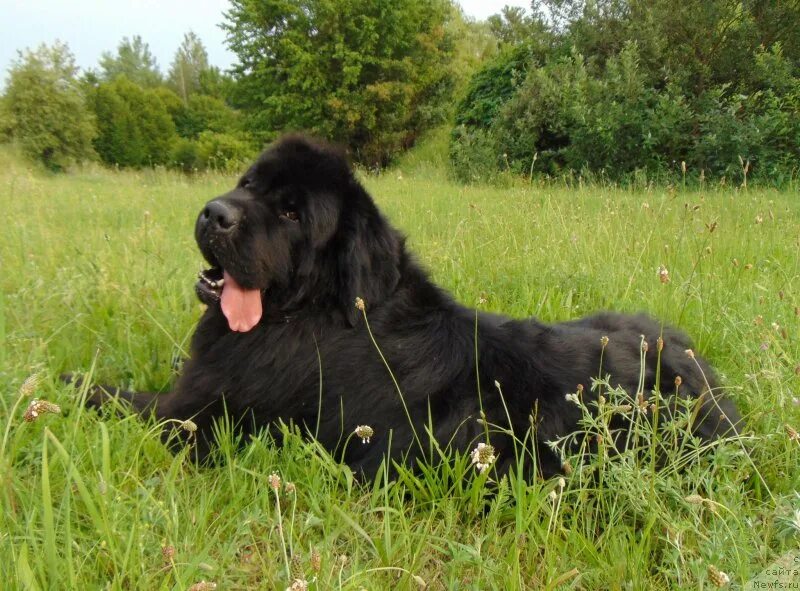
(309, 236)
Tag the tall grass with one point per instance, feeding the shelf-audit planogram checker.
(97, 275)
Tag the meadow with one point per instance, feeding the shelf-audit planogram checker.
(98, 268)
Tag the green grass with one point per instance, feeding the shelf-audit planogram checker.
(97, 275)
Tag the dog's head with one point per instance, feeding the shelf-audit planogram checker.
(297, 231)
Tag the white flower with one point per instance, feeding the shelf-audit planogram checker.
(483, 456)
(364, 432)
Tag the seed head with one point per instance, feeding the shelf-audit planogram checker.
(483, 456)
(315, 560)
(659, 344)
(792, 433)
(694, 499)
(360, 304)
(38, 407)
(561, 483)
(290, 488)
(30, 385)
(663, 274)
(567, 468)
(297, 567)
(203, 586)
(678, 381)
(717, 577)
(168, 552)
(189, 426)
(274, 481)
(364, 432)
(604, 341)
(689, 353)
(298, 585)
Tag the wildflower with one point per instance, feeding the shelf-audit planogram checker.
(792, 433)
(659, 344)
(364, 432)
(274, 481)
(663, 274)
(290, 488)
(604, 341)
(203, 586)
(30, 385)
(360, 304)
(645, 345)
(38, 407)
(678, 381)
(717, 577)
(573, 397)
(298, 585)
(561, 483)
(689, 353)
(483, 456)
(552, 496)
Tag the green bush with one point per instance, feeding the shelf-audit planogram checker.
(44, 109)
(185, 155)
(227, 152)
(134, 126)
(712, 87)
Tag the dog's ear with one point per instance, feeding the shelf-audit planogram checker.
(368, 259)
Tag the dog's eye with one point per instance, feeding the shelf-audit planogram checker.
(290, 215)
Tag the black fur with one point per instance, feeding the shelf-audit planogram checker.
(312, 269)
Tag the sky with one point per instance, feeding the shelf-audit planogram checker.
(91, 27)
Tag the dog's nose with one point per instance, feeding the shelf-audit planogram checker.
(220, 215)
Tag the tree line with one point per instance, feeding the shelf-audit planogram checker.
(637, 90)
(617, 89)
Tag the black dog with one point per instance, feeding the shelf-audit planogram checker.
(306, 272)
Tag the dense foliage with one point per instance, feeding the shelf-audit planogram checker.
(620, 88)
(44, 109)
(134, 126)
(371, 75)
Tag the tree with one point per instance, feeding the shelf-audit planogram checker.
(46, 110)
(371, 74)
(188, 67)
(135, 128)
(134, 61)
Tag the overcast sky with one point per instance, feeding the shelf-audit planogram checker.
(91, 27)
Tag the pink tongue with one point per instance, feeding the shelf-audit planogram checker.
(242, 307)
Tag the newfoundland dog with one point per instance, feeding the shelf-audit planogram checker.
(319, 316)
